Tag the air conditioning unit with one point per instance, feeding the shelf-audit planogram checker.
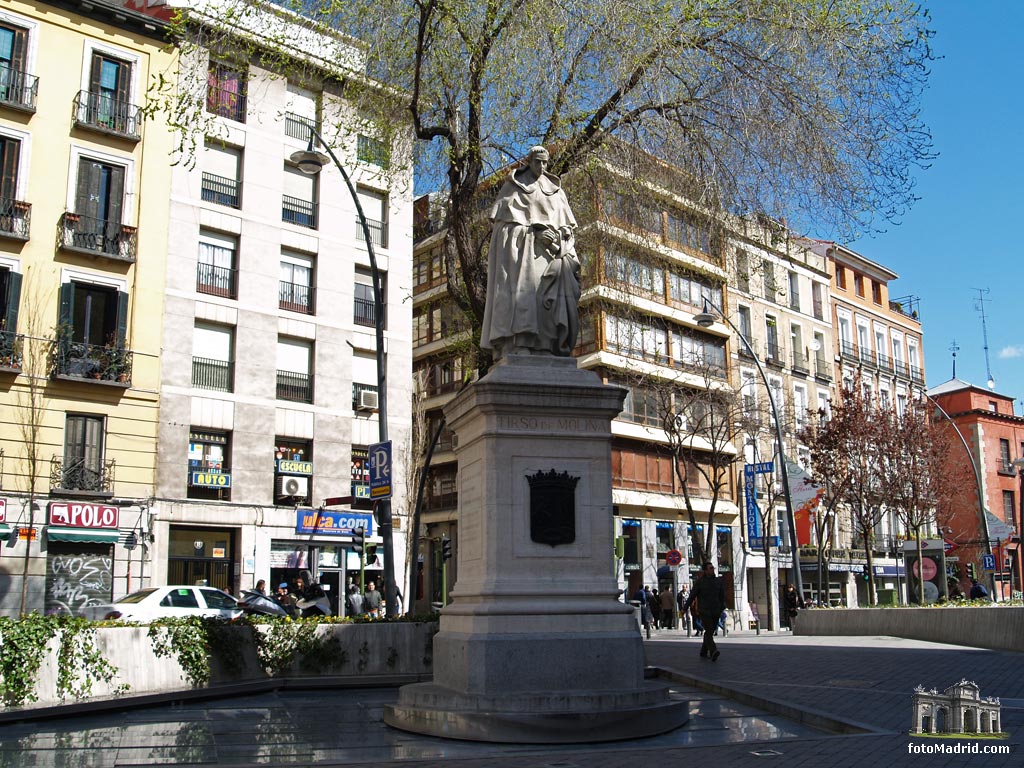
(293, 486)
(368, 401)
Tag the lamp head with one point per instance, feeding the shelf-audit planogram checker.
(704, 319)
(310, 162)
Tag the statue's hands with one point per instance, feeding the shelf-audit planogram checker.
(548, 237)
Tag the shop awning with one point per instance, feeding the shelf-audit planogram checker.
(83, 535)
(5, 532)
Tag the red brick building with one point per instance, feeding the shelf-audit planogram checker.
(995, 435)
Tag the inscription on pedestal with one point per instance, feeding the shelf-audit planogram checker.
(544, 424)
(553, 507)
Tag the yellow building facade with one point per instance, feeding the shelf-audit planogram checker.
(84, 201)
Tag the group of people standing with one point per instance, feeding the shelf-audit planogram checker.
(304, 598)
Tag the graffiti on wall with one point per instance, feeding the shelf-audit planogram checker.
(77, 581)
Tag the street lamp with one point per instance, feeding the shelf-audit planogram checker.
(311, 162)
(705, 320)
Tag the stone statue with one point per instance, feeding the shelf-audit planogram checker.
(533, 288)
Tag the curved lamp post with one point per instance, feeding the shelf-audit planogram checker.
(311, 163)
(706, 319)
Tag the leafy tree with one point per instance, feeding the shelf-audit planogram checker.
(798, 108)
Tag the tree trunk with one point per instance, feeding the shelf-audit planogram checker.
(872, 598)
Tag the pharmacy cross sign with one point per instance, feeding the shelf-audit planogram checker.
(380, 470)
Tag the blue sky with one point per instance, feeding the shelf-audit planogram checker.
(963, 233)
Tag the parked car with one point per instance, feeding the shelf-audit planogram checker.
(169, 602)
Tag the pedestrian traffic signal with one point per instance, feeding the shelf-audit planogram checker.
(446, 549)
(358, 540)
(970, 571)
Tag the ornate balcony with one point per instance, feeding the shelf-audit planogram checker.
(18, 89)
(12, 347)
(15, 218)
(109, 364)
(106, 114)
(77, 476)
(97, 237)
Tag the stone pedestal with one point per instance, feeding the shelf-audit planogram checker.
(535, 646)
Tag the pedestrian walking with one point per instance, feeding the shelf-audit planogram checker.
(793, 602)
(372, 600)
(354, 601)
(708, 594)
(668, 609)
(654, 603)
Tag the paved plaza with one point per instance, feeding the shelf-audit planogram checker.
(772, 699)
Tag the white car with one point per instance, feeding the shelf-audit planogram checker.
(169, 602)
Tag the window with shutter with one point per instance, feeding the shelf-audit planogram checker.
(82, 465)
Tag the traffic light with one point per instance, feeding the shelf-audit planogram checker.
(446, 549)
(358, 540)
(970, 571)
(864, 572)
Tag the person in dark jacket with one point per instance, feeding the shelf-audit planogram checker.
(793, 603)
(709, 594)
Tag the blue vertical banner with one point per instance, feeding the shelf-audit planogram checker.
(753, 514)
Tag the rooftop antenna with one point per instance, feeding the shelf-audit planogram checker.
(979, 305)
(954, 348)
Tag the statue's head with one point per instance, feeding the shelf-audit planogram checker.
(538, 159)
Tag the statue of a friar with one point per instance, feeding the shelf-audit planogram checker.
(533, 287)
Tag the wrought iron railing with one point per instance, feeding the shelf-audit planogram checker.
(800, 362)
(298, 126)
(297, 211)
(743, 351)
(773, 353)
(212, 374)
(848, 350)
(18, 89)
(86, 234)
(884, 362)
(364, 312)
(15, 218)
(12, 347)
(296, 387)
(106, 113)
(220, 190)
(216, 281)
(378, 232)
(295, 297)
(916, 374)
(822, 368)
(110, 363)
(75, 473)
(226, 102)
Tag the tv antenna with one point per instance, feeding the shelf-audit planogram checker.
(979, 305)
(954, 348)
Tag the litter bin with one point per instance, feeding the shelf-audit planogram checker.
(887, 597)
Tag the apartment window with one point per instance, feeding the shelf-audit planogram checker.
(91, 333)
(225, 91)
(770, 287)
(373, 151)
(748, 391)
(863, 342)
(301, 109)
(107, 104)
(298, 204)
(15, 215)
(364, 309)
(742, 272)
(221, 174)
(294, 370)
(817, 304)
(295, 291)
(858, 284)
(293, 471)
(841, 277)
(772, 350)
(82, 464)
(794, 291)
(914, 362)
(364, 381)
(821, 363)
(796, 343)
(880, 348)
(746, 329)
(641, 406)
(1009, 508)
(689, 231)
(96, 226)
(685, 288)
(17, 87)
(209, 464)
(800, 405)
(824, 404)
(11, 346)
(993, 406)
(897, 355)
(216, 271)
(1005, 458)
(213, 357)
(689, 350)
(876, 292)
(375, 209)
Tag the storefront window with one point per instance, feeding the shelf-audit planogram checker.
(209, 465)
(202, 557)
